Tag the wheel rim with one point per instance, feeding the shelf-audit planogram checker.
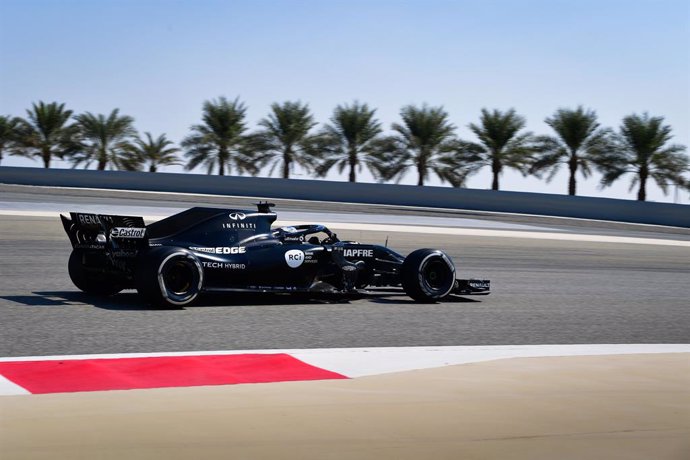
(436, 274)
(180, 278)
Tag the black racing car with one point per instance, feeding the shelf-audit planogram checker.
(172, 261)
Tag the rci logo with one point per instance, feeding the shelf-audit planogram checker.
(237, 215)
(294, 258)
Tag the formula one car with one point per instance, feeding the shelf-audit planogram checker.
(172, 261)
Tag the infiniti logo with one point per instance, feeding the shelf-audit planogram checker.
(237, 215)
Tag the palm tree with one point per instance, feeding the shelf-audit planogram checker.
(155, 153)
(285, 139)
(45, 133)
(104, 140)
(424, 140)
(578, 143)
(643, 150)
(350, 140)
(219, 140)
(501, 144)
(8, 133)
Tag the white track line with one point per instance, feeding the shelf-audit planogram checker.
(8, 388)
(437, 231)
(363, 362)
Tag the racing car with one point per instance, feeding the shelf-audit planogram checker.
(172, 261)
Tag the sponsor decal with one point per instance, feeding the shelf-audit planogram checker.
(479, 284)
(289, 229)
(88, 246)
(294, 258)
(127, 232)
(89, 219)
(237, 216)
(358, 253)
(221, 250)
(310, 259)
(294, 239)
(224, 265)
(239, 225)
(123, 253)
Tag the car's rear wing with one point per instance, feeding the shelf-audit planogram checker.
(98, 231)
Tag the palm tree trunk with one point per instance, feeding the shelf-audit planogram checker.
(223, 155)
(573, 171)
(152, 168)
(642, 192)
(46, 158)
(496, 170)
(572, 184)
(286, 164)
(102, 159)
(421, 168)
(494, 183)
(353, 165)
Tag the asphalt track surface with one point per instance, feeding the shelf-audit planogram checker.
(544, 292)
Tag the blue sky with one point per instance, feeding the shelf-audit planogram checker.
(158, 60)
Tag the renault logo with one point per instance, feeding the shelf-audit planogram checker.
(237, 215)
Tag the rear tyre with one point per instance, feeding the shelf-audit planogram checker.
(90, 281)
(427, 275)
(169, 277)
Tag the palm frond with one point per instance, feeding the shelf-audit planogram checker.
(642, 147)
(286, 137)
(503, 143)
(45, 133)
(219, 138)
(424, 135)
(9, 134)
(348, 139)
(104, 139)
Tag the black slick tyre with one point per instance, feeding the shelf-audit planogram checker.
(427, 275)
(169, 277)
(90, 281)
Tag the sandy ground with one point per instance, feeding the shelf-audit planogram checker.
(604, 407)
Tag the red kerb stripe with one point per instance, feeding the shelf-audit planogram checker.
(158, 372)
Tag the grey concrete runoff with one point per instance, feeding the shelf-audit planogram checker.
(429, 197)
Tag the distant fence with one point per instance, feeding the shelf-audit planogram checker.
(677, 215)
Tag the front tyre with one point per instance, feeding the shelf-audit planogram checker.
(90, 280)
(427, 275)
(169, 277)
